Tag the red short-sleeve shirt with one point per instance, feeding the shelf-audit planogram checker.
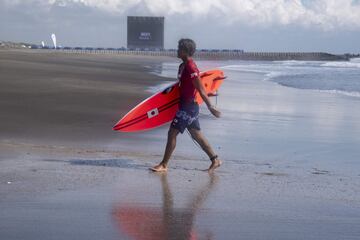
(188, 71)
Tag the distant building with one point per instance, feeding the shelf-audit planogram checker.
(145, 33)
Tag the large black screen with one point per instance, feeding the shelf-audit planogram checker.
(145, 32)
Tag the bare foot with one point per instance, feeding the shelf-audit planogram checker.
(215, 164)
(159, 168)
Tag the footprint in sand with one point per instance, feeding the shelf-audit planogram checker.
(319, 172)
(274, 174)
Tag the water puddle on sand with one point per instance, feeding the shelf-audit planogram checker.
(179, 204)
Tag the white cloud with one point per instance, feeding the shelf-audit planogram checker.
(324, 14)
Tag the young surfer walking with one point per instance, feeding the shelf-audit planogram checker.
(188, 113)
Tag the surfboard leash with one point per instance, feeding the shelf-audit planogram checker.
(195, 142)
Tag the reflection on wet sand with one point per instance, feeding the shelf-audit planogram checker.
(141, 222)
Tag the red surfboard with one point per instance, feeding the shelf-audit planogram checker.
(161, 107)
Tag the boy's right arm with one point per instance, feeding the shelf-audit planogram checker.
(198, 85)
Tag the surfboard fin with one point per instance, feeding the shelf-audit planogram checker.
(213, 94)
(220, 78)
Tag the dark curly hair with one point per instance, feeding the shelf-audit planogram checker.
(187, 45)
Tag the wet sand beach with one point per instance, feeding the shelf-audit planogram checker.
(290, 158)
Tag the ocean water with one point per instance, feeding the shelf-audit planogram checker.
(333, 77)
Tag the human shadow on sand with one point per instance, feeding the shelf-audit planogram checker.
(167, 222)
(120, 163)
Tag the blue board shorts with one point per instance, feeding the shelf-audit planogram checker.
(186, 117)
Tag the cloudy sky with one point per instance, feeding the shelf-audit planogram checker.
(253, 25)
